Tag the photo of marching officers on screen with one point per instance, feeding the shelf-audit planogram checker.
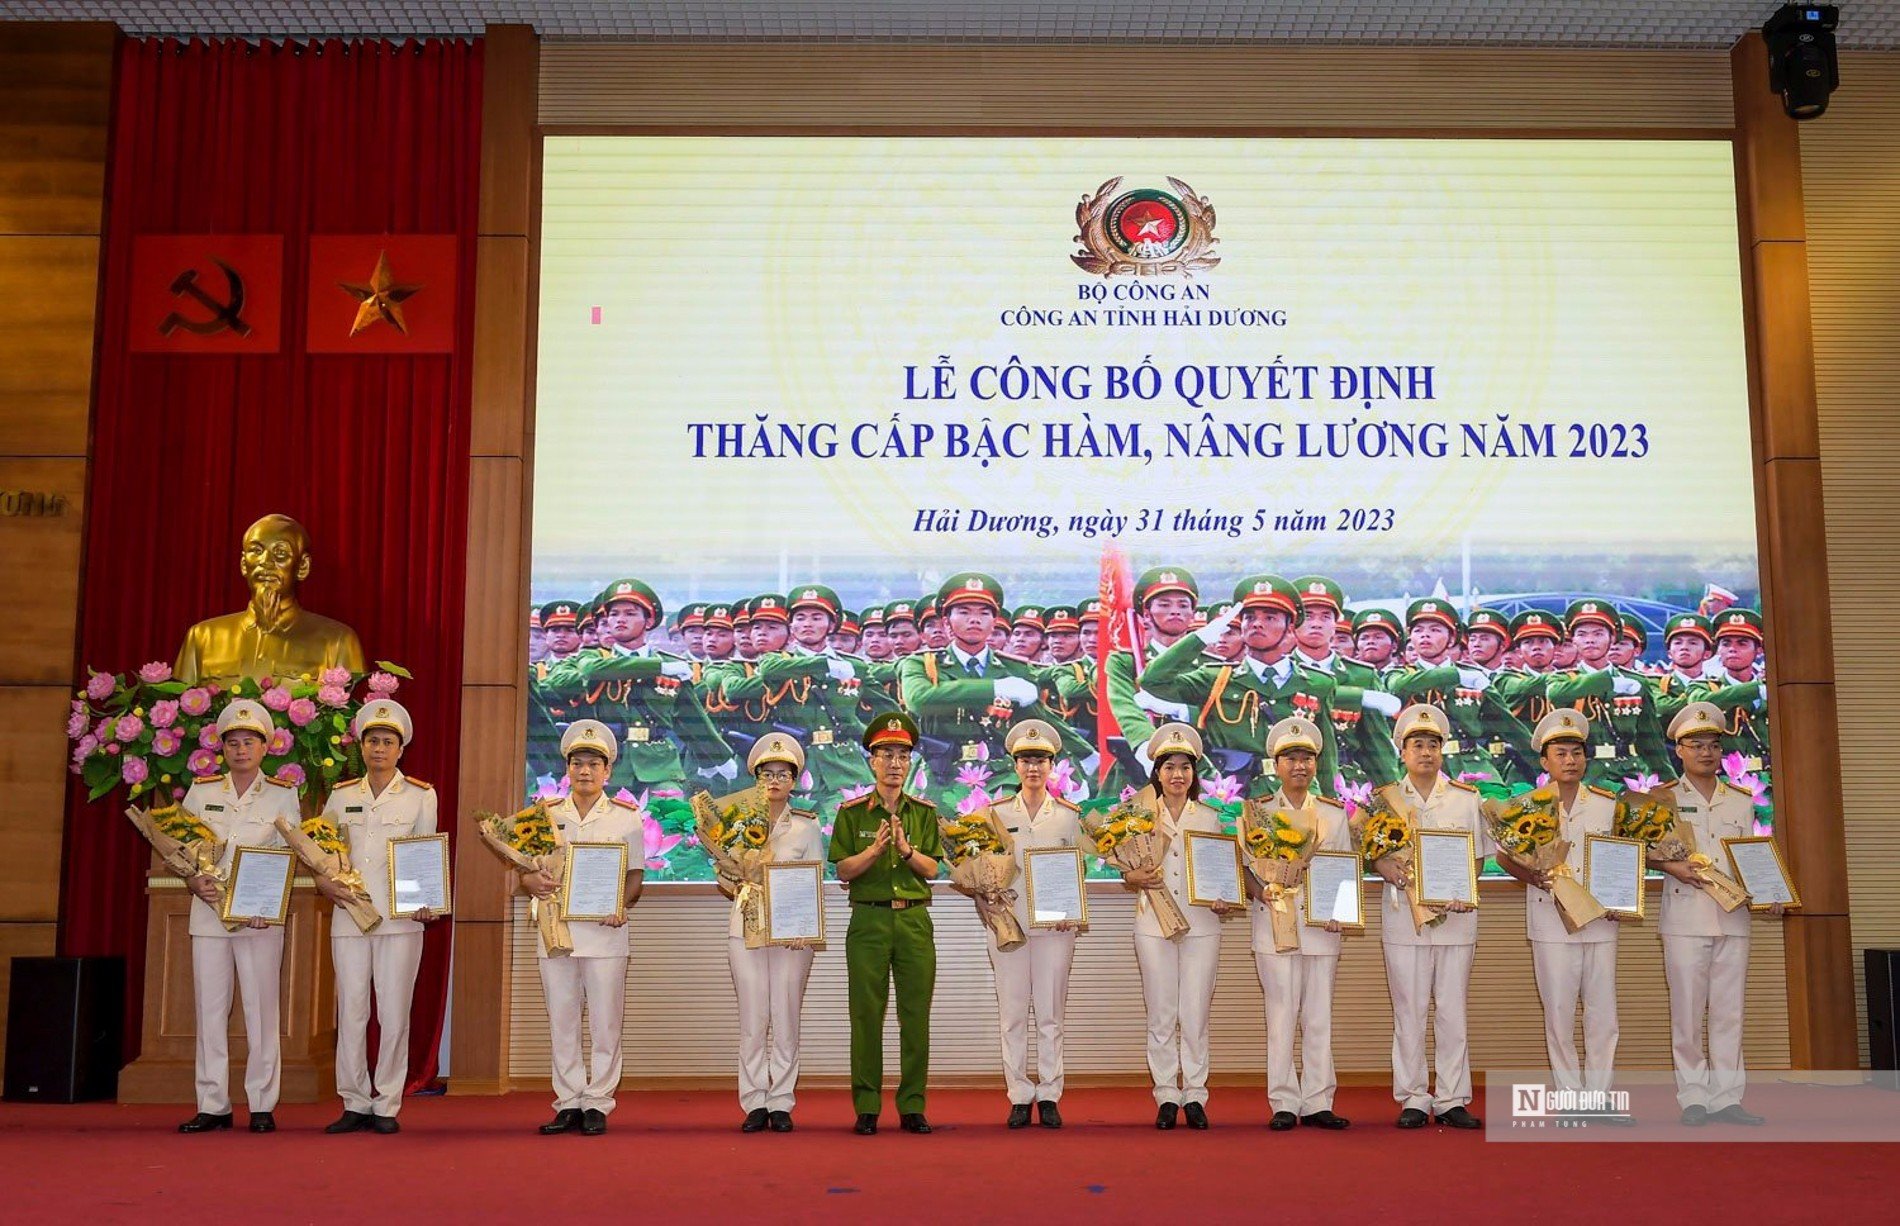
(689, 688)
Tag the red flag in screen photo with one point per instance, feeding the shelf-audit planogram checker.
(207, 293)
(1118, 632)
(381, 293)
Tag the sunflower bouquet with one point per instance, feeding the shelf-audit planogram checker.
(1654, 818)
(1278, 845)
(1128, 839)
(321, 846)
(185, 845)
(736, 833)
(1385, 831)
(1525, 829)
(529, 842)
(982, 866)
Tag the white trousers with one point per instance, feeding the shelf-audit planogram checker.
(1708, 977)
(384, 966)
(252, 964)
(600, 984)
(1177, 986)
(1429, 980)
(1036, 974)
(770, 985)
(1299, 992)
(1564, 971)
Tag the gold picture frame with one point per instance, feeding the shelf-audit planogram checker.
(1358, 878)
(816, 869)
(253, 856)
(448, 887)
(1591, 841)
(1781, 863)
(575, 850)
(1081, 878)
(1469, 849)
(1195, 897)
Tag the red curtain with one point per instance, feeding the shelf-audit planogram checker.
(370, 453)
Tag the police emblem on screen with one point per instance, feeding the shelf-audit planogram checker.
(1146, 231)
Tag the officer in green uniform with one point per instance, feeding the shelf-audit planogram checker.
(1376, 638)
(548, 714)
(1631, 642)
(1028, 631)
(1166, 597)
(872, 642)
(1068, 681)
(1738, 690)
(930, 624)
(1487, 639)
(1089, 613)
(1479, 719)
(1362, 710)
(848, 633)
(1688, 640)
(965, 696)
(885, 845)
(1534, 635)
(1626, 739)
(646, 696)
(692, 629)
(1236, 704)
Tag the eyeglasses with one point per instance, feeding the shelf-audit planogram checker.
(776, 776)
(888, 754)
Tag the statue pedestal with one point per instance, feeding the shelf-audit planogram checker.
(165, 1071)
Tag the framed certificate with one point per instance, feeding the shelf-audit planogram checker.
(594, 887)
(794, 902)
(419, 875)
(1333, 889)
(1213, 869)
(1444, 867)
(1613, 873)
(1761, 870)
(1052, 877)
(260, 884)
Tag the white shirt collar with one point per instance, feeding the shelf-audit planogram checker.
(981, 659)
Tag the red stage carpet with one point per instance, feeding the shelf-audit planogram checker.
(679, 1156)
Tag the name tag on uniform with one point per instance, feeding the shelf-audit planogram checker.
(1606, 751)
(1688, 809)
(821, 736)
(352, 808)
(1454, 746)
(638, 734)
(214, 808)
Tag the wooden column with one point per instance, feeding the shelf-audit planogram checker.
(495, 647)
(1794, 576)
(55, 106)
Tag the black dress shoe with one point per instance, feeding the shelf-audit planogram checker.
(866, 1125)
(914, 1121)
(1196, 1116)
(1282, 1121)
(593, 1122)
(755, 1120)
(1164, 1117)
(1019, 1115)
(781, 1121)
(1050, 1117)
(1695, 1115)
(1458, 1117)
(1736, 1115)
(384, 1125)
(566, 1120)
(263, 1121)
(202, 1122)
(1325, 1119)
(1412, 1117)
(349, 1121)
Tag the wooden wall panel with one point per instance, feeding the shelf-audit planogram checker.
(56, 80)
(39, 585)
(32, 791)
(49, 289)
(1850, 170)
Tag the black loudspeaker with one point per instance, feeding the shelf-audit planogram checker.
(1883, 1015)
(65, 1023)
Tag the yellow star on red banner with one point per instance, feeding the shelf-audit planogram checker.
(381, 299)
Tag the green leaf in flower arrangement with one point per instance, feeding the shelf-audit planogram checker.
(169, 687)
(394, 670)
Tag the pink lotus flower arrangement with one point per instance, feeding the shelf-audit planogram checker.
(154, 735)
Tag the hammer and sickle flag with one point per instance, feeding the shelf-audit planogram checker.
(382, 293)
(207, 293)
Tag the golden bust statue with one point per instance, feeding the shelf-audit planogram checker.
(275, 636)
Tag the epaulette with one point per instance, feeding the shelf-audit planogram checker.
(425, 786)
(861, 800)
(1603, 792)
(344, 783)
(217, 778)
(279, 781)
(811, 813)
(1328, 800)
(625, 804)
(1065, 803)
(929, 804)
(1461, 785)
(1004, 655)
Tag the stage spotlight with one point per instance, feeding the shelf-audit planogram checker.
(1801, 63)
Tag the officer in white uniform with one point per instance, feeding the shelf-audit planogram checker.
(1177, 976)
(1298, 984)
(385, 804)
(241, 808)
(1569, 964)
(595, 974)
(770, 981)
(1037, 973)
(1705, 949)
(1428, 972)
